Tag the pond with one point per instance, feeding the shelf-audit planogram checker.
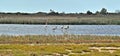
(22, 29)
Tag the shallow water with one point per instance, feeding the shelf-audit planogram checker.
(19, 29)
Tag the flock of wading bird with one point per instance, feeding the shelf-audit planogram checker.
(64, 27)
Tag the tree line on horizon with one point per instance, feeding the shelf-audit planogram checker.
(52, 12)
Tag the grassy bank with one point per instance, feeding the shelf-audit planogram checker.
(59, 45)
(71, 20)
(56, 39)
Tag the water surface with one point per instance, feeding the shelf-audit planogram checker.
(19, 29)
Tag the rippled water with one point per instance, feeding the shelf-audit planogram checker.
(19, 29)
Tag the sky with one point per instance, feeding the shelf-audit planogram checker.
(69, 6)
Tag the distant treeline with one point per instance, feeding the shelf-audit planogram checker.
(54, 13)
(102, 17)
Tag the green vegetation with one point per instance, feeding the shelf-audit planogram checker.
(58, 50)
(59, 45)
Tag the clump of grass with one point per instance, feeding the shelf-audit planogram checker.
(105, 45)
(75, 55)
(33, 54)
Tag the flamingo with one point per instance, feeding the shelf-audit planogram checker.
(62, 27)
(54, 28)
(67, 27)
(46, 24)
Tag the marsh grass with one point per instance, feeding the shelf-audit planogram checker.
(57, 39)
(71, 45)
(42, 50)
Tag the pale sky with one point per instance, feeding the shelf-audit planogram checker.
(58, 5)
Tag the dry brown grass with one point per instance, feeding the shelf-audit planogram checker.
(56, 39)
(30, 19)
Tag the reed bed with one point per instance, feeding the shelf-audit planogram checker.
(75, 20)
